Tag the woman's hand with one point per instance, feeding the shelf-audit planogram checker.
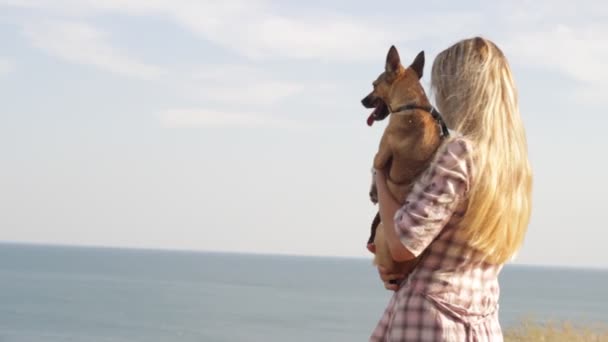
(388, 206)
(391, 281)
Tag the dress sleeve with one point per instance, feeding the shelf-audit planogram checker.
(434, 197)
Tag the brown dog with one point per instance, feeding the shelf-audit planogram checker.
(409, 141)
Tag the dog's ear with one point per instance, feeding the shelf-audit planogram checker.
(393, 62)
(418, 64)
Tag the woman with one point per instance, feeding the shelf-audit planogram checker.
(468, 213)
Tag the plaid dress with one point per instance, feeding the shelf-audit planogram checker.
(452, 295)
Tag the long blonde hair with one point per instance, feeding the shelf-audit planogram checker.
(474, 90)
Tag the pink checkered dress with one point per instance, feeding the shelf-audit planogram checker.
(451, 295)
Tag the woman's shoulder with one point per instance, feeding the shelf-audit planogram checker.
(453, 160)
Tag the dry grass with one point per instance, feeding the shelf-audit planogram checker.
(529, 331)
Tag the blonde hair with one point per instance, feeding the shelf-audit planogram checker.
(475, 91)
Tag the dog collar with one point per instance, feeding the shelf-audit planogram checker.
(445, 132)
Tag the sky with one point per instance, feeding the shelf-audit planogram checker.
(237, 125)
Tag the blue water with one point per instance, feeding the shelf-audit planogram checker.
(95, 294)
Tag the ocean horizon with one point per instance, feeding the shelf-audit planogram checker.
(75, 293)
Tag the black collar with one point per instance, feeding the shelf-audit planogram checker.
(434, 113)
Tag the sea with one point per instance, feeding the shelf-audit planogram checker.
(83, 294)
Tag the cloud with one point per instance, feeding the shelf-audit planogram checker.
(262, 31)
(256, 30)
(6, 66)
(261, 93)
(196, 117)
(579, 52)
(82, 43)
(241, 84)
(259, 30)
(252, 28)
(268, 36)
(22, 3)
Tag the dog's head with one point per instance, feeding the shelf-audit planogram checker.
(385, 84)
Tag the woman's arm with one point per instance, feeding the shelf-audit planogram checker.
(411, 228)
(388, 206)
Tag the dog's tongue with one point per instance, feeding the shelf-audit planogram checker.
(371, 118)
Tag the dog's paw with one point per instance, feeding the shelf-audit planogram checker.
(373, 195)
(373, 191)
(371, 247)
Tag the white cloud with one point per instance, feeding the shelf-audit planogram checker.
(22, 3)
(254, 29)
(6, 66)
(259, 30)
(576, 51)
(228, 73)
(267, 36)
(251, 28)
(192, 117)
(262, 93)
(81, 43)
(241, 84)
(579, 52)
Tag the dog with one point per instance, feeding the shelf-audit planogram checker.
(414, 132)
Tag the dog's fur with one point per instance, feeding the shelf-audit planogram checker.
(408, 143)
